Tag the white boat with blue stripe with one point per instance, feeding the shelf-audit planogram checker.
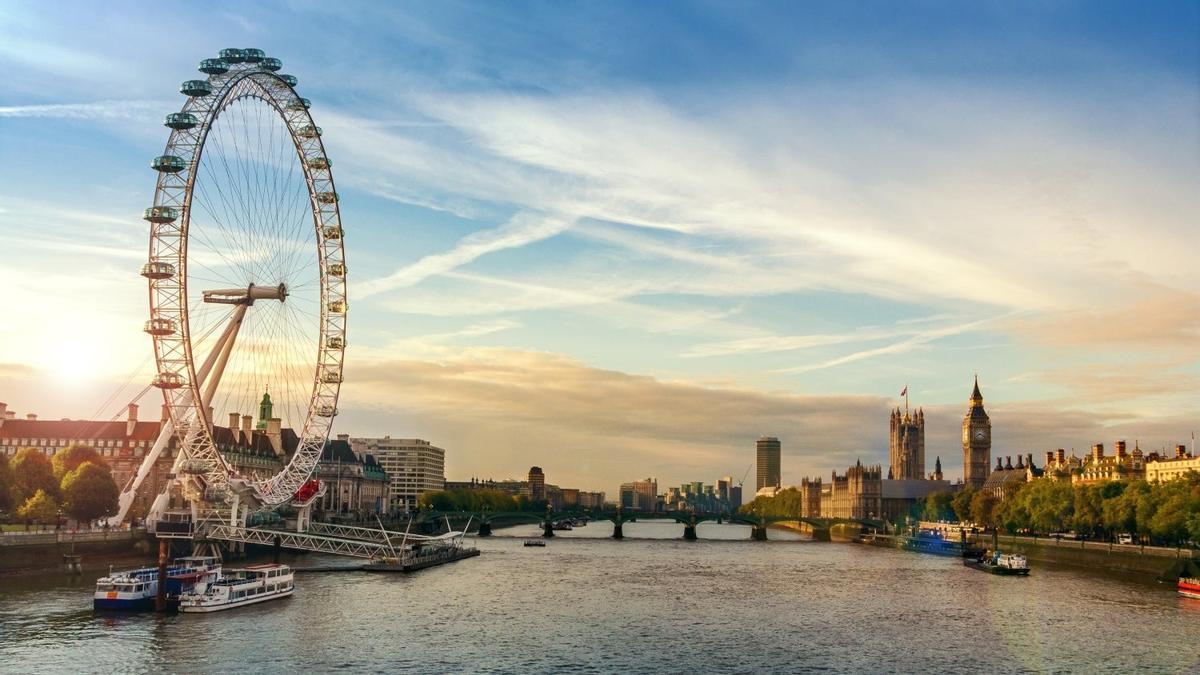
(137, 589)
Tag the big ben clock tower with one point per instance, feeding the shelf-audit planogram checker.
(977, 441)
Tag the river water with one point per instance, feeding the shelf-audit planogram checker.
(650, 603)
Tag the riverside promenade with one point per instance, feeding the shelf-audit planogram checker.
(44, 550)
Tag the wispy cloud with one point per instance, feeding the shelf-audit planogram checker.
(98, 110)
(521, 230)
(908, 344)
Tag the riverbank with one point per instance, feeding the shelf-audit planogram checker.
(1149, 562)
(38, 552)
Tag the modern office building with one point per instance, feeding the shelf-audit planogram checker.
(536, 484)
(640, 495)
(768, 454)
(413, 466)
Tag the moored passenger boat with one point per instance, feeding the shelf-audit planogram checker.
(240, 587)
(1189, 587)
(137, 589)
(1010, 564)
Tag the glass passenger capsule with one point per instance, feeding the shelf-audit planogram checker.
(319, 163)
(196, 88)
(253, 55)
(194, 467)
(299, 103)
(335, 342)
(332, 232)
(160, 327)
(327, 197)
(160, 214)
(156, 269)
(290, 79)
(308, 131)
(214, 67)
(331, 377)
(167, 380)
(271, 63)
(168, 164)
(337, 307)
(232, 55)
(337, 269)
(180, 121)
(326, 410)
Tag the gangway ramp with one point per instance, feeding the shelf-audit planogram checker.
(304, 541)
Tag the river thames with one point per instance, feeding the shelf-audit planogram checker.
(650, 603)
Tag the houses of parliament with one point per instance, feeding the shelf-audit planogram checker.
(864, 492)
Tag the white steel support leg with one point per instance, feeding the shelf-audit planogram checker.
(125, 501)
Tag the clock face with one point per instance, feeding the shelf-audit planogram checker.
(980, 434)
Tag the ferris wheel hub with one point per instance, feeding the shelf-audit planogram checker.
(247, 295)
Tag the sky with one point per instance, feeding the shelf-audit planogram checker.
(621, 239)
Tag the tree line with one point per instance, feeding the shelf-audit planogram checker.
(462, 499)
(77, 480)
(1166, 513)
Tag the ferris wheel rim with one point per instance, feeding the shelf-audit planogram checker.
(167, 270)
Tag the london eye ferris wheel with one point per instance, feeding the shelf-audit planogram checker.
(247, 277)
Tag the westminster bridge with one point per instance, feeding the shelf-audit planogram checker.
(485, 520)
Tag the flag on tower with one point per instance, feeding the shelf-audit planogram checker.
(904, 391)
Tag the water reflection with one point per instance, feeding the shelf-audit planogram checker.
(649, 602)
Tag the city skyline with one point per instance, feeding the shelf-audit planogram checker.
(635, 266)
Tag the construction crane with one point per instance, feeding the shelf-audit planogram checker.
(743, 480)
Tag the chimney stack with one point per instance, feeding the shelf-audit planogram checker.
(1029, 460)
(233, 422)
(275, 435)
(131, 420)
(1049, 457)
(1180, 451)
(10, 415)
(1020, 462)
(1060, 455)
(1097, 452)
(31, 417)
(1120, 449)
(247, 426)
(1008, 462)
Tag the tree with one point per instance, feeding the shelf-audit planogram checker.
(962, 504)
(983, 509)
(1118, 509)
(40, 508)
(72, 457)
(89, 492)
(938, 506)
(1088, 517)
(1049, 504)
(6, 484)
(32, 472)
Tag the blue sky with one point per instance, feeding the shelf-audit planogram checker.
(624, 239)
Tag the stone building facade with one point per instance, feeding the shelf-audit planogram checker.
(857, 494)
(976, 441)
(906, 445)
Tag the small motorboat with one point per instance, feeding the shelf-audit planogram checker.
(1009, 564)
(535, 542)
